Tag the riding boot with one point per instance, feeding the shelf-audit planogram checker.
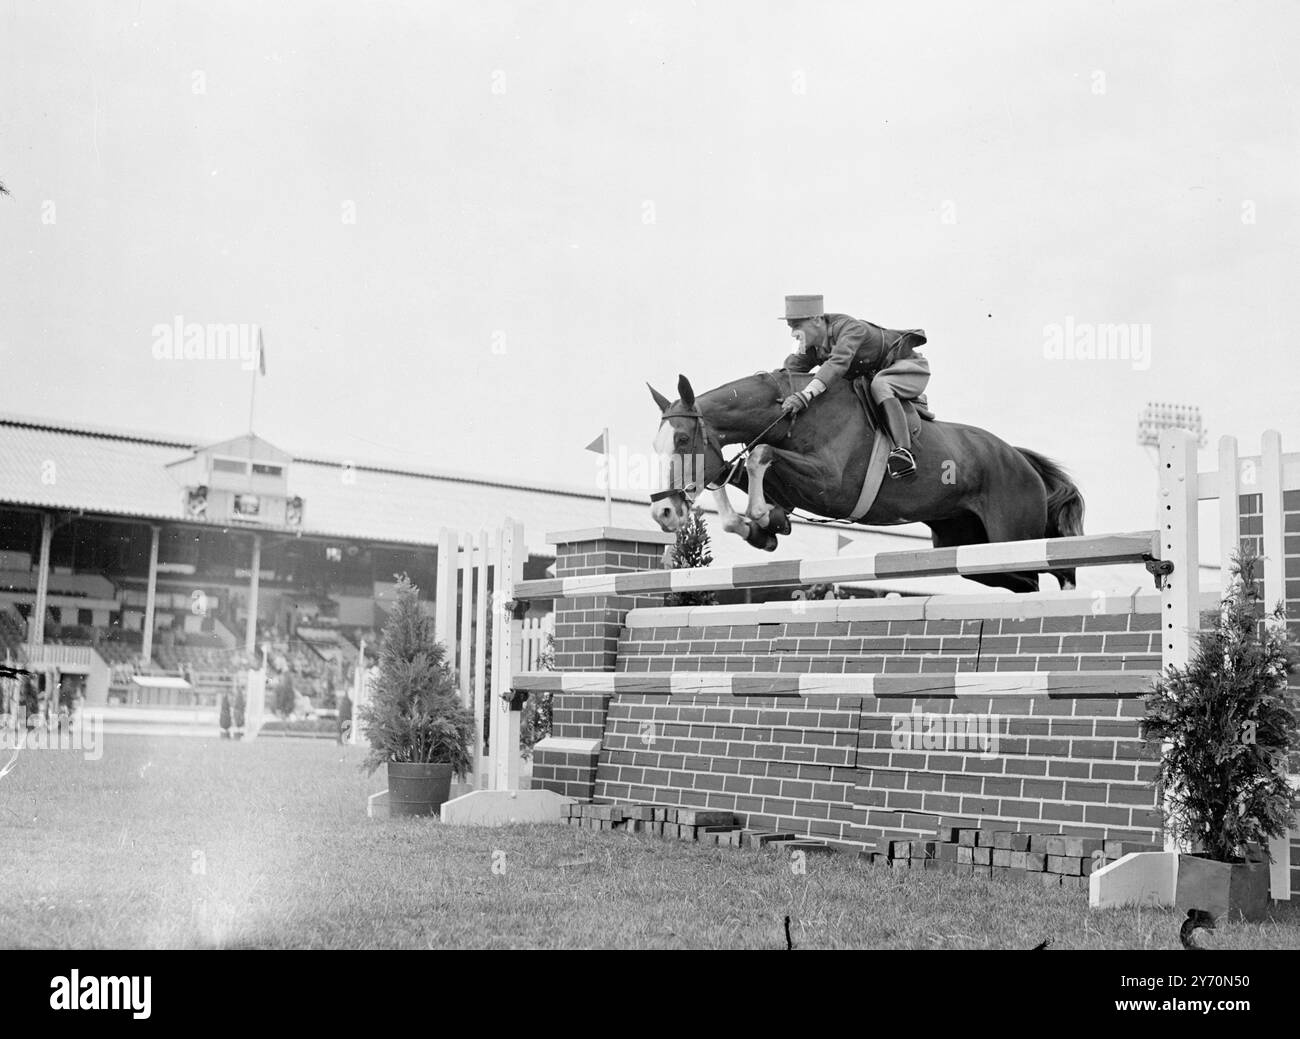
(901, 463)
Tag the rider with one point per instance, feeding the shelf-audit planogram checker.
(840, 346)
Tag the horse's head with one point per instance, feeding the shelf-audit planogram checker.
(690, 456)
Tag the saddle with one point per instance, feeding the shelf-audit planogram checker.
(915, 410)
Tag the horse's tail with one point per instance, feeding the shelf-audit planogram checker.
(1064, 502)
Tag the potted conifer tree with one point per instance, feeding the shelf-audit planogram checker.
(692, 550)
(414, 721)
(223, 718)
(1226, 730)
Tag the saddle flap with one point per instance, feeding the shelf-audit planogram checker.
(913, 410)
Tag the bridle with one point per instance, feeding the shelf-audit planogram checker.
(709, 482)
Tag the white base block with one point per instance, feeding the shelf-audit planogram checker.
(1143, 878)
(500, 807)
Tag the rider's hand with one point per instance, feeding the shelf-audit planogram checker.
(794, 403)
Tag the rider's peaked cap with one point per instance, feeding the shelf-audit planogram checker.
(799, 307)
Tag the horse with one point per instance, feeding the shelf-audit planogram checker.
(970, 488)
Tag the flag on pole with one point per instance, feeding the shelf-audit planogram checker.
(601, 447)
(261, 352)
(841, 542)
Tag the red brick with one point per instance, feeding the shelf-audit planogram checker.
(1074, 847)
(1068, 864)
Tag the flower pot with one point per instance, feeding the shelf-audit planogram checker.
(1237, 890)
(417, 788)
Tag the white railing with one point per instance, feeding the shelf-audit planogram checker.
(51, 653)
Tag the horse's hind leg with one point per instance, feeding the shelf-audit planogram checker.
(970, 529)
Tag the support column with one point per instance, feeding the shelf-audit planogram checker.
(587, 630)
(1176, 523)
(507, 658)
(146, 649)
(36, 628)
(250, 633)
(1179, 532)
(1273, 497)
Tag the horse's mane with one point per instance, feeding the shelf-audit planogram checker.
(779, 380)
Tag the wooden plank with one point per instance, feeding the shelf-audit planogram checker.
(1009, 556)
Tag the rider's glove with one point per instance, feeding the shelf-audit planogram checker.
(794, 403)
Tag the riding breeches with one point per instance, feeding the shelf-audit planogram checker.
(905, 378)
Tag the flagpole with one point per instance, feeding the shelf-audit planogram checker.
(252, 397)
(609, 482)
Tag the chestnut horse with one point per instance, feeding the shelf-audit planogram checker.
(970, 487)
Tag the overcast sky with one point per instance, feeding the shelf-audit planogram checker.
(471, 232)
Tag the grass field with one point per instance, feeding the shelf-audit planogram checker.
(187, 843)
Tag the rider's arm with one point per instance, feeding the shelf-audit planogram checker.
(850, 336)
(797, 362)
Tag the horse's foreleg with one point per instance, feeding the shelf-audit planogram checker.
(735, 523)
(732, 521)
(756, 465)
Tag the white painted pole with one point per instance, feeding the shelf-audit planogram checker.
(250, 632)
(1274, 552)
(505, 757)
(444, 594)
(609, 480)
(480, 654)
(1274, 549)
(151, 595)
(465, 662)
(358, 688)
(1229, 482)
(1178, 530)
(36, 626)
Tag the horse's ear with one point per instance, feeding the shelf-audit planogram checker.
(685, 392)
(663, 402)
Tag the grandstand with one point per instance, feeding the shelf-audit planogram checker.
(155, 556)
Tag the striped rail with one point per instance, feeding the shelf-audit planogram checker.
(1038, 555)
